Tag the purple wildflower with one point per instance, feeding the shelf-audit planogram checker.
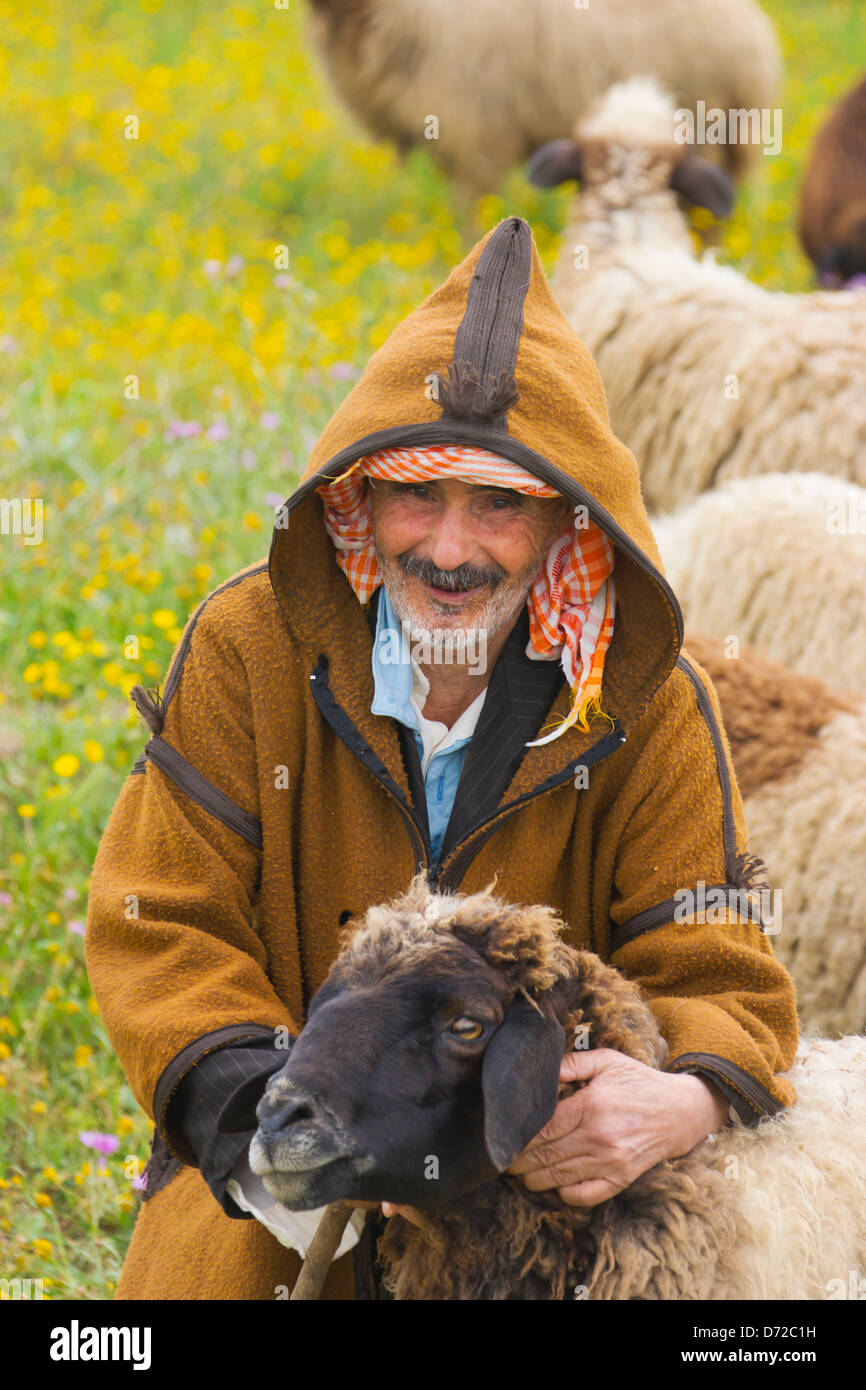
(218, 430)
(268, 420)
(102, 1143)
(77, 928)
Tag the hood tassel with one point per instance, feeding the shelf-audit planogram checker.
(465, 396)
(149, 706)
(742, 871)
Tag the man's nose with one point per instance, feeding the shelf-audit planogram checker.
(451, 539)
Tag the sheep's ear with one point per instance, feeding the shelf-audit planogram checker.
(520, 1080)
(555, 162)
(704, 184)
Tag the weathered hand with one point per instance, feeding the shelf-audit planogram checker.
(626, 1120)
(391, 1209)
(410, 1213)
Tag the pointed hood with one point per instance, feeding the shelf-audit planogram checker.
(489, 359)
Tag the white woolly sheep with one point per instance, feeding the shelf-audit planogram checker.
(774, 1211)
(501, 76)
(799, 751)
(707, 375)
(778, 561)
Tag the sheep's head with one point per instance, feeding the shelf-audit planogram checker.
(431, 1054)
(627, 149)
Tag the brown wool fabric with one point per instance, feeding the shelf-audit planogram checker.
(230, 932)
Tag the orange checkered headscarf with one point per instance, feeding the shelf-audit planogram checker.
(571, 603)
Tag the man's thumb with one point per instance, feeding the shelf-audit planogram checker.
(583, 1064)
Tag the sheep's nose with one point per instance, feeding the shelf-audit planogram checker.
(289, 1106)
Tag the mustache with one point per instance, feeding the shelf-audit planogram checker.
(453, 581)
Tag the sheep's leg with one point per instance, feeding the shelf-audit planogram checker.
(323, 1247)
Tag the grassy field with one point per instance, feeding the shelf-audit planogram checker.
(161, 384)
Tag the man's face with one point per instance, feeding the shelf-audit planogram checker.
(455, 555)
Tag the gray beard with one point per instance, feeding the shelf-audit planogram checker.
(501, 608)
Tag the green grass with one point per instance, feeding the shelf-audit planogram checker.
(113, 330)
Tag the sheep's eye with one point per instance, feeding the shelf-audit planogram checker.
(466, 1028)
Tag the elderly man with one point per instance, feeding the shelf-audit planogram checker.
(460, 657)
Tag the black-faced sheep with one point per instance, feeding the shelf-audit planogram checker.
(501, 76)
(832, 222)
(431, 1056)
(799, 751)
(779, 561)
(707, 375)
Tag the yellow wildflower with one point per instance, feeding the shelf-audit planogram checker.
(66, 765)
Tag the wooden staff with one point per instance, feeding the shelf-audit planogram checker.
(323, 1248)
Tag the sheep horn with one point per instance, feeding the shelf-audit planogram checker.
(323, 1248)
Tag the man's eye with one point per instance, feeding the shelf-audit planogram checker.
(499, 502)
(419, 490)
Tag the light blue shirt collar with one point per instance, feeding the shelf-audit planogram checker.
(392, 667)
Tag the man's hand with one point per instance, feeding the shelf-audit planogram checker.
(627, 1119)
(410, 1213)
(390, 1209)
